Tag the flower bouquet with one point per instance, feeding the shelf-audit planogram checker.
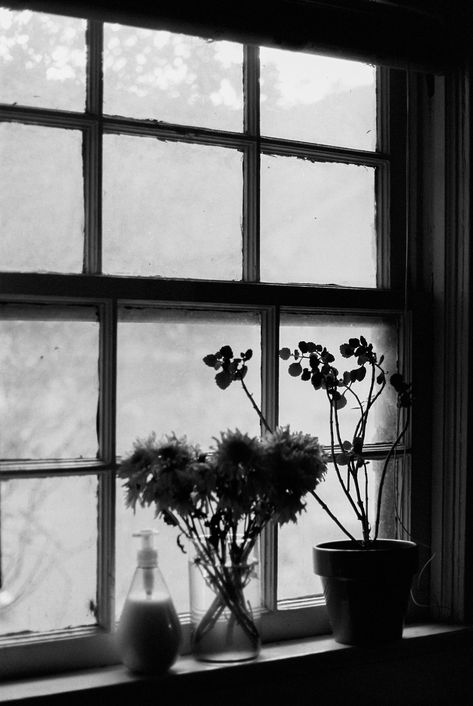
(220, 502)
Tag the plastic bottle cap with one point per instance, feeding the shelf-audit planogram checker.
(147, 555)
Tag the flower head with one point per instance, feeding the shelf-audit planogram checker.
(296, 463)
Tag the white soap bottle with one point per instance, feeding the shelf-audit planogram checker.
(149, 633)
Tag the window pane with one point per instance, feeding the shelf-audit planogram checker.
(164, 386)
(296, 577)
(172, 77)
(318, 99)
(48, 554)
(42, 60)
(307, 409)
(171, 560)
(317, 222)
(48, 382)
(180, 206)
(41, 199)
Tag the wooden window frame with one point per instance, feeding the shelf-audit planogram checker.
(395, 294)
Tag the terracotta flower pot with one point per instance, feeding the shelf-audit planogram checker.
(366, 590)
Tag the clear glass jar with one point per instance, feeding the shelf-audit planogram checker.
(225, 611)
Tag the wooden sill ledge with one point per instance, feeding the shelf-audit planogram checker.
(433, 661)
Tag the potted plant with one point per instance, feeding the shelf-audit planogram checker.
(220, 502)
(366, 578)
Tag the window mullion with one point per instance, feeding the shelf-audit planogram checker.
(270, 409)
(382, 178)
(92, 151)
(251, 166)
(106, 493)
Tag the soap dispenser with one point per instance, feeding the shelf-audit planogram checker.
(149, 633)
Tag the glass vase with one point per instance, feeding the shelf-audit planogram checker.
(225, 613)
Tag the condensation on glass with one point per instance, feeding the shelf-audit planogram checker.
(41, 199)
(48, 382)
(171, 209)
(317, 222)
(173, 78)
(162, 384)
(318, 99)
(42, 60)
(48, 556)
(307, 409)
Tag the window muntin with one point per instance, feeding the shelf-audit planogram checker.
(249, 146)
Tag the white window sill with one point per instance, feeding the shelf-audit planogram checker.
(311, 658)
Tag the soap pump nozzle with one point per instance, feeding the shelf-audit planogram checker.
(147, 558)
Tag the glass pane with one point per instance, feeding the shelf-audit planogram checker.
(317, 222)
(172, 77)
(164, 386)
(172, 562)
(179, 204)
(307, 409)
(48, 383)
(49, 553)
(41, 199)
(318, 99)
(296, 577)
(42, 60)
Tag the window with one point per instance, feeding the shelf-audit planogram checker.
(162, 195)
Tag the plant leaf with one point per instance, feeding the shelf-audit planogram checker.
(360, 373)
(226, 352)
(295, 369)
(240, 374)
(306, 374)
(285, 353)
(346, 350)
(210, 360)
(223, 379)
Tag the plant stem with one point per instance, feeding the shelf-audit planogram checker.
(384, 472)
(255, 406)
(332, 516)
(334, 459)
